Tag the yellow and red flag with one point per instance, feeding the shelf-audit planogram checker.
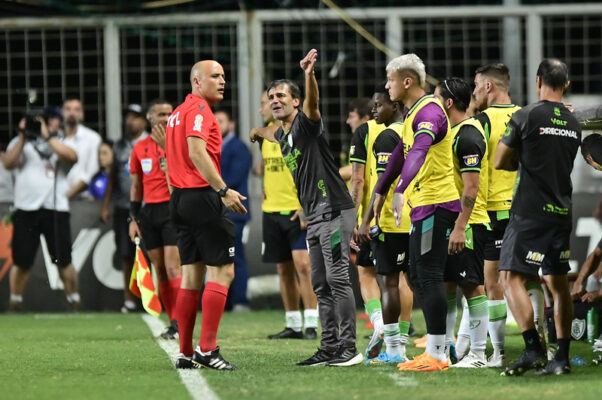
(141, 283)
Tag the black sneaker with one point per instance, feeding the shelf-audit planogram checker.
(183, 362)
(528, 360)
(212, 359)
(320, 357)
(555, 367)
(310, 333)
(287, 333)
(597, 360)
(171, 332)
(346, 357)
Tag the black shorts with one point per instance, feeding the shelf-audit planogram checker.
(281, 237)
(391, 253)
(467, 266)
(429, 240)
(495, 236)
(121, 228)
(365, 257)
(205, 232)
(531, 244)
(156, 227)
(28, 225)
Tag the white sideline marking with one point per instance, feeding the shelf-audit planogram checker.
(195, 383)
(403, 381)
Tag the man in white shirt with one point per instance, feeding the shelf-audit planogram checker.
(85, 141)
(41, 162)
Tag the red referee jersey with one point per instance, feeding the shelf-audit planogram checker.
(192, 118)
(145, 161)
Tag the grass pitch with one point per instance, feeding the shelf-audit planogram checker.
(114, 356)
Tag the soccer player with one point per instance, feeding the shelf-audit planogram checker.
(284, 238)
(205, 239)
(328, 208)
(427, 173)
(390, 243)
(151, 222)
(363, 179)
(541, 140)
(467, 239)
(492, 82)
(358, 114)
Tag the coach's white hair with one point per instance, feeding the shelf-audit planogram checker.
(408, 62)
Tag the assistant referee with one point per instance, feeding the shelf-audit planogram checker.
(205, 232)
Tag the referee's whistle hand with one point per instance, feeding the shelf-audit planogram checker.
(233, 200)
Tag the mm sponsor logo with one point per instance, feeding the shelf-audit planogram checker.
(565, 256)
(400, 258)
(471, 160)
(549, 130)
(534, 257)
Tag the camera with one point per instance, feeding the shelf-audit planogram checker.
(33, 127)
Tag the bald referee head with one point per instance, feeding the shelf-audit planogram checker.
(208, 81)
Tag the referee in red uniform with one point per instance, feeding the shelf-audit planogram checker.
(205, 233)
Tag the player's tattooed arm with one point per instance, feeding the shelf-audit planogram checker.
(468, 202)
(356, 188)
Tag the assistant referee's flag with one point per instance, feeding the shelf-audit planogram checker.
(141, 283)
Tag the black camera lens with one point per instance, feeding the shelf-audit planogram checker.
(33, 127)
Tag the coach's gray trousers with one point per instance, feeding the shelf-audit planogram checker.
(328, 239)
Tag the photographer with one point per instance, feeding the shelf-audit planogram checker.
(41, 162)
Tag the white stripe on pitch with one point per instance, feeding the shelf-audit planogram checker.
(195, 383)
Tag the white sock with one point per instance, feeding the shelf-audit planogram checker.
(310, 317)
(377, 320)
(129, 304)
(450, 321)
(497, 324)
(16, 298)
(435, 346)
(392, 339)
(73, 298)
(537, 301)
(293, 320)
(477, 308)
(463, 342)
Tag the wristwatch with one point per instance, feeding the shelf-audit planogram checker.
(222, 191)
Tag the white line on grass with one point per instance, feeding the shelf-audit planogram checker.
(403, 381)
(195, 384)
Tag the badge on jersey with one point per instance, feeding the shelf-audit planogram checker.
(198, 121)
(352, 151)
(471, 160)
(425, 125)
(147, 165)
(383, 158)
